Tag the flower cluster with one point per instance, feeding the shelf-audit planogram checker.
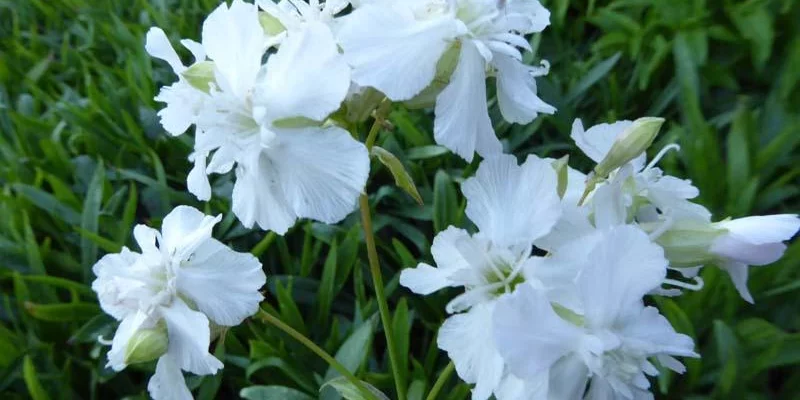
(171, 297)
(556, 276)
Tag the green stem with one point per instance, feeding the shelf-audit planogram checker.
(267, 317)
(380, 115)
(383, 305)
(440, 381)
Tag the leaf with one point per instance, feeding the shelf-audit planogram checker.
(401, 326)
(350, 392)
(593, 76)
(63, 312)
(91, 218)
(401, 177)
(445, 202)
(425, 152)
(354, 350)
(273, 393)
(35, 388)
(100, 325)
(48, 203)
(327, 287)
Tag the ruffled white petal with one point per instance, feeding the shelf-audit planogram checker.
(307, 77)
(183, 103)
(763, 229)
(168, 382)
(516, 91)
(222, 283)
(189, 337)
(462, 121)
(197, 180)
(529, 335)
(185, 229)
(235, 40)
(513, 204)
(426, 279)
(733, 248)
(109, 270)
(513, 388)
(257, 196)
(524, 16)
(649, 332)
(392, 51)
(157, 45)
(320, 171)
(146, 238)
(738, 272)
(467, 339)
(623, 267)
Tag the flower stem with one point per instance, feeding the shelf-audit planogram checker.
(440, 381)
(267, 317)
(383, 306)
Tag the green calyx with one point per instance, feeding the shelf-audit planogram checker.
(147, 345)
(200, 75)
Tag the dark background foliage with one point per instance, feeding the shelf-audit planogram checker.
(83, 158)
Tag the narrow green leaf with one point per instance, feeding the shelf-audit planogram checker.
(273, 393)
(401, 325)
(63, 312)
(327, 287)
(401, 177)
(354, 350)
(48, 203)
(445, 202)
(350, 392)
(35, 388)
(109, 246)
(90, 218)
(594, 75)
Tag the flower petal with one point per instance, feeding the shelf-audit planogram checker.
(185, 229)
(623, 266)
(168, 382)
(510, 203)
(307, 77)
(426, 279)
(183, 103)
(222, 283)
(516, 91)
(235, 40)
(392, 51)
(189, 337)
(462, 121)
(258, 198)
(529, 335)
(157, 45)
(738, 273)
(764, 229)
(197, 180)
(596, 142)
(109, 270)
(321, 171)
(467, 339)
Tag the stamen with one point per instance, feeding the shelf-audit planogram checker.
(697, 286)
(104, 341)
(668, 221)
(662, 153)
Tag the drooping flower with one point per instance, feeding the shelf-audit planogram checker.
(733, 245)
(400, 48)
(167, 295)
(512, 205)
(266, 122)
(609, 339)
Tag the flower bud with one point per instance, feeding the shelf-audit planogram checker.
(200, 75)
(147, 345)
(271, 25)
(687, 243)
(631, 143)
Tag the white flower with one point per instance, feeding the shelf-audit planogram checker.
(512, 205)
(752, 241)
(668, 194)
(266, 123)
(609, 340)
(182, 280)
(395, 46)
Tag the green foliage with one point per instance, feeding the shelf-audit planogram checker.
(83, 158)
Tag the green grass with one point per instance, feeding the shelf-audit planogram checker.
(83, 158)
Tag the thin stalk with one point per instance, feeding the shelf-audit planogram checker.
(267, 317)
(383, 305)
(440, 381)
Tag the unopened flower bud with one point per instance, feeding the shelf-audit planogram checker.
(147, 345)
(200, 75)
(631, 143)
(687, 243)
